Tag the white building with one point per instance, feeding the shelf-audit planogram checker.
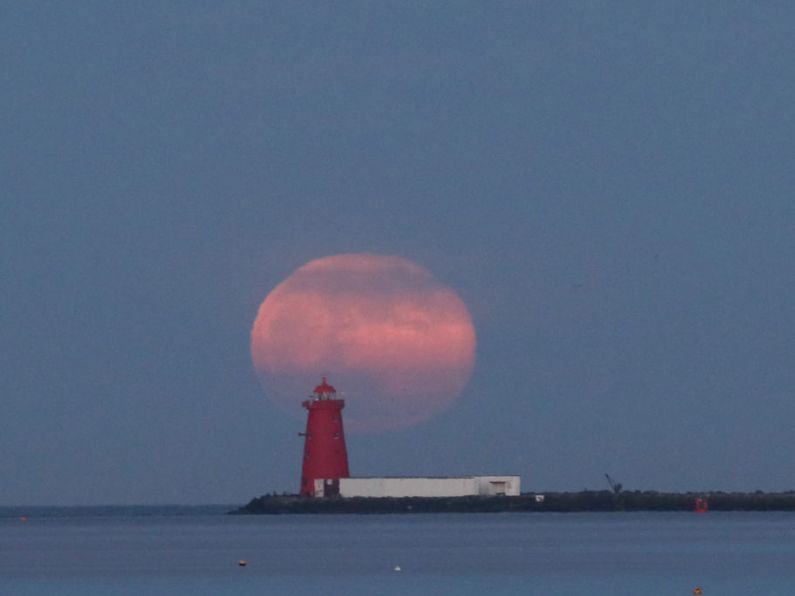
(460, 486)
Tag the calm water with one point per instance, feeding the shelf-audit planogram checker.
(567, 554)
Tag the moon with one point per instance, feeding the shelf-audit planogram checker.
(395, 342)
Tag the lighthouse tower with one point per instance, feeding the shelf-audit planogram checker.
(325, 454)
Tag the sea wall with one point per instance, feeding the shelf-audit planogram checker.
(527, 502)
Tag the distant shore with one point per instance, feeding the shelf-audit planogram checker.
(69, 511)
(559, 502)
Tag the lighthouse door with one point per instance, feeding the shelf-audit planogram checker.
(331, 487)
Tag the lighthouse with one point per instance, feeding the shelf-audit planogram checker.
(325, 454)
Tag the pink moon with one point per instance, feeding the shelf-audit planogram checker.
(395, 342)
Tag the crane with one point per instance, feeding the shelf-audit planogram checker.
(614, 486)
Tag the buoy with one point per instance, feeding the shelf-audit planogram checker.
(697, 590)
(23, 518)
(242, 562)
(397, 567)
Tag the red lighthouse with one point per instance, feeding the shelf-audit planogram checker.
(325, 454)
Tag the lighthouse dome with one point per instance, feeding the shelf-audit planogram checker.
(324, 387)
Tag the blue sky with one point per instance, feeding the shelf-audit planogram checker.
(608, 186)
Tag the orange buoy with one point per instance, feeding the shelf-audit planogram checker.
(241, 563)
(698, 591)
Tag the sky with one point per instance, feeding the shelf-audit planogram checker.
(607, 185)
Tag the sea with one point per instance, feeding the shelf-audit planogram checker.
(201, 551)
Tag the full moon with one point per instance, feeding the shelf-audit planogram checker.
(397, 344)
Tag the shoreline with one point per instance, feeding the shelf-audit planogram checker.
(553, 502)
